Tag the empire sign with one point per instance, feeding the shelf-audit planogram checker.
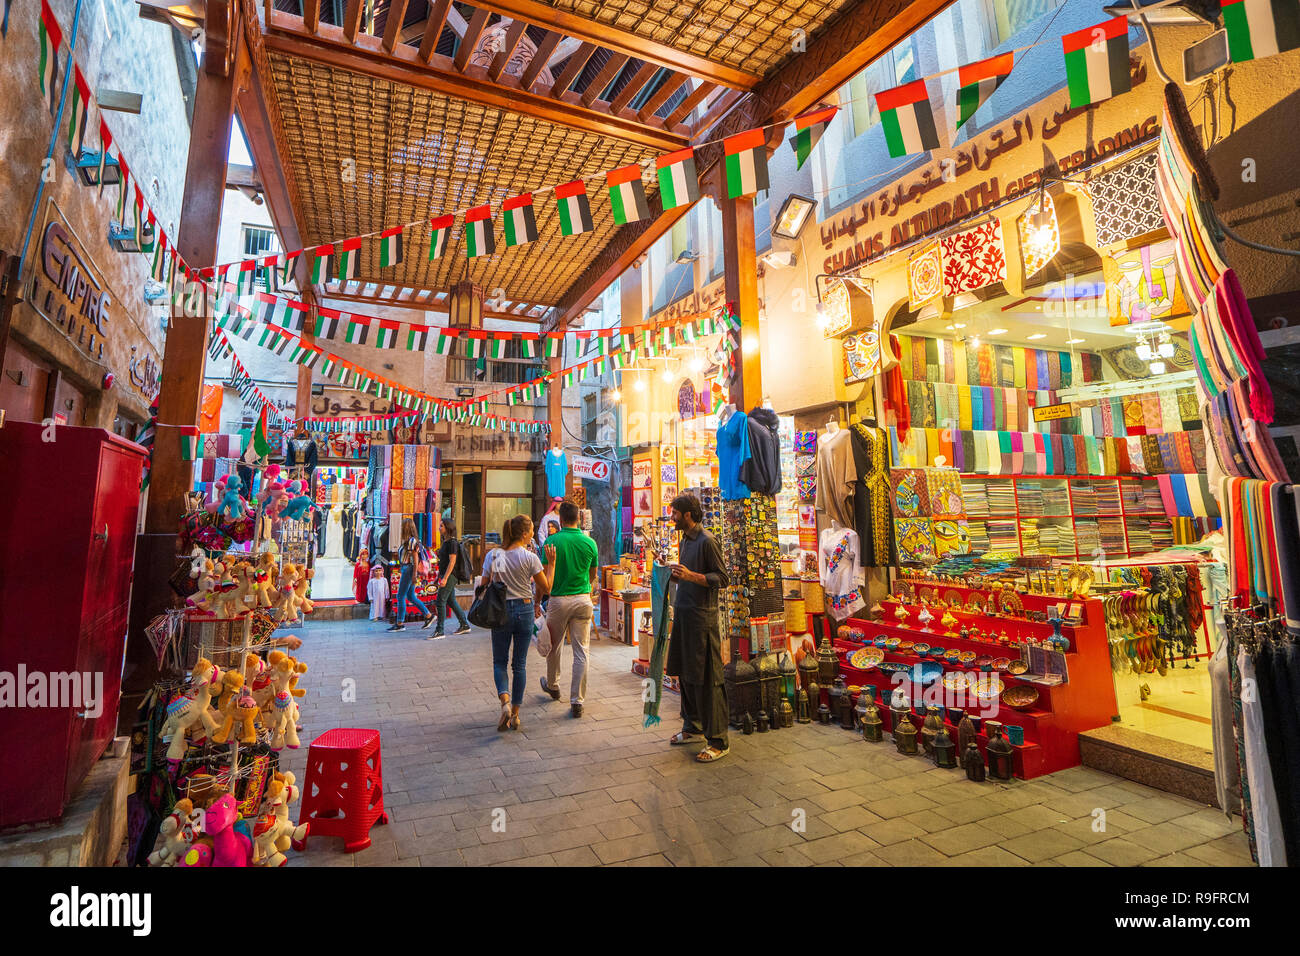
(67, 291)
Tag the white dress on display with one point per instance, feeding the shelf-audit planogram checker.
(334, 533)
(840, 570)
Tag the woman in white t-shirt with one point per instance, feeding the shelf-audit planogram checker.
(515, 565)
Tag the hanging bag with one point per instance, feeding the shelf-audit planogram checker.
(489, 607)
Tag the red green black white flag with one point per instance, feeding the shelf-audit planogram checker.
(479, 240)
(907, 118)
(678, 182)
(390, 247)
(105, 142)
(746, 163)
(272, 266)
(288, 263)
(439, 230)
(976, 82)
(1096, 62)
(554, 344)
(265, 307)
(247, 280)
(386, 334)
(574, 209)
(320, 264)
(417, 338)
(79, 112)
(295, 314)
(627, 194)
(327, 323)
(444, 344)
(1260, 28)
(520, 224)
(528, 345)
(51, 38)
(358, 331)
(349, 255)
(158, 268)
(808, 129)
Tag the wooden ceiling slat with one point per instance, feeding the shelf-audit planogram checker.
(572, 69)
(721, 106)
(687, 106)
(352, 19)
(661, 96)
(621, 41)
(514, 33)
(604, 78)
(433, 28)
(544, 50)
(311, 14)
(393, 25)
(470, 40)
(634, 86)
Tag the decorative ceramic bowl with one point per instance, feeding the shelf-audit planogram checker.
(907, 647)
(891, 667)
(937, 652)
(893, 642)
(866, 658)
(987, 688)
(857, 634)
(843, 632)
(1017, 667)
(967, 657)
(955, 681)
(952, 655)
(1001, 663)
(1020, 697)
(921, 649)
(984, 663)
(879, 640)
(926, 673)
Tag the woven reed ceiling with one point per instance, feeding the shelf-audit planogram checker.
(756, 37)
(417, 154)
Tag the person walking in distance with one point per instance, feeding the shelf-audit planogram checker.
(571, 561)
(695, 645)
(449, 555)
(516, 565)
(409, 556)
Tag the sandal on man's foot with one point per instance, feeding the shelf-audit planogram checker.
(709, 754)
(682, 737)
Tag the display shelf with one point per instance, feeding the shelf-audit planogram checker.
(1015, 504)
(1052, 725)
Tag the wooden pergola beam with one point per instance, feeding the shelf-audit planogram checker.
(687, 106)
(432, 28)
(352, 19)
(620, 41)
(311, 14)
(603, 78)
(572, 69)
(538, 62)
(367, 57)
(470, 40)
(514, 33)
(393, 25)
(661, 96)
(634, 86)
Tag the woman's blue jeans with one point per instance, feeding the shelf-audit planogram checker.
(519, 629)
(405, 588)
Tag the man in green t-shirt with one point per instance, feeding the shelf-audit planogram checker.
(570, 561)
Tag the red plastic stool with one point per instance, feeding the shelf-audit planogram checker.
(344, 791)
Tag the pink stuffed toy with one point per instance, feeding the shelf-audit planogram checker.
(230, 846)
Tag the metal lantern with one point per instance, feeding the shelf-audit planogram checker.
(785, 716)
(873, 728)
(865, 696)
(846, 711)
(789, 676)
(802, 715)
(764, 725)
(945, 751)
(808, 674)
(898, 712)
(905, 735)
(769, 683)
(746, 699)
(973, 763)
(837, 691)
(823, 714)
(998, 752)
(826, 663)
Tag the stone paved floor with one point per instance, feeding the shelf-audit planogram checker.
(602, 790)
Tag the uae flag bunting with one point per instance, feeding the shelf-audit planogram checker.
(688, 333)
(1260, 28)
(479, 240)
(328, 364)
(808, 130)
(78, 112)
(600, 366)
(417, 338)
(105, 144)
(390, 247)
(907, 118)
(349, 253)
(345, 372)
(473, 347)
(288, 263)
(620, 360)
(295, 314)
(566, 381)
(266, 308)
(247, 279)
(497, 348)
(123, 188)
(158, 268)
(327, 324)
(627, 194)
(358, 331)
(386, 334)
(604, 343)
(189, 442)
(625, 342)
(1096, 62)
(243, 326)
(528, 346)
(512, 398)
(51, 38)
(320, 264)
(574, 209)
(648, 344)
(746, 163)
(678, 183)
(439, 230)
(520, 224)
(299, 352)
(270, 335)
(976, 82)
(444, 343)
(554, 344)
(271, 265)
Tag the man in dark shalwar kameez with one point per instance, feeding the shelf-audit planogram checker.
(695, 645)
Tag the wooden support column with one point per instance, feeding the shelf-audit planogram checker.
(555, 407)
(302, 398)
(740, 260)
(182, 375)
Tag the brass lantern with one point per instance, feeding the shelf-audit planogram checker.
(745, 700)
(905, 735)
(826, 663)
(802, 715)
(789, 677)
(808, 674)
(944, 750)
(769, 684)
(998, 752)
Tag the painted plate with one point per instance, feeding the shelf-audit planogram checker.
(926, 673)
(987, 687)
(865, 658)
(1017, 667)
(891, 667)
(955, 680)
(1002, 664)
(1020, 697)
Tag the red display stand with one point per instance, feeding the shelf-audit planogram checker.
(68, 523)
(1053, 724)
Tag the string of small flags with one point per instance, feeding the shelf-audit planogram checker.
(242, 382)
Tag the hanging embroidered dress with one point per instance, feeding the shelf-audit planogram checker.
(840, 571)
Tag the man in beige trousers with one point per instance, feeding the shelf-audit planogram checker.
(571, 563)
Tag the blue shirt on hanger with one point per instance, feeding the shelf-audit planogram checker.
(557, 468)
(733, 451)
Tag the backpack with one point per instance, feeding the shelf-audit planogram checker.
(462, 569)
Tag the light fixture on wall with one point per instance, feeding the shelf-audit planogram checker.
(88, 169)
(794, 215)
(685, 257)
(122, 238)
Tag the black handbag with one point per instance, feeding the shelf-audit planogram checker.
(489, 607)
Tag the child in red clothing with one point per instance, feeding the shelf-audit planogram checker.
(361, 577)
